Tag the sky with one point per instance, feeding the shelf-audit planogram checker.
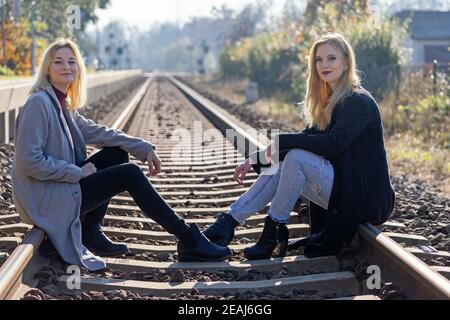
(144, 13)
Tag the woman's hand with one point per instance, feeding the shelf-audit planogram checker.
(88, 169)
(270, 152)
(241, 171)
(154, 163)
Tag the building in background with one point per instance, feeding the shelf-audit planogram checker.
(429, 36)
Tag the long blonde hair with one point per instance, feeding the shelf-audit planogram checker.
(77, 91)
(320, 100)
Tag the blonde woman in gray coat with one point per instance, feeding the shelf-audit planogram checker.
(58, 189)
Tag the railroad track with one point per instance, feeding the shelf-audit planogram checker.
(199, 185)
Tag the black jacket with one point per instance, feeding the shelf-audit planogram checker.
(353, 143)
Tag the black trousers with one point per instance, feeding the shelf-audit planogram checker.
(115, 175)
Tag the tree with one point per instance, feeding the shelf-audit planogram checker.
(222, 12)
(343, 7)
(48, 21)
(54, 15)
(292, 11)
(246, 22)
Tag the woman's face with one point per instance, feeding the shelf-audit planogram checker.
(63, 68)
(330, 64)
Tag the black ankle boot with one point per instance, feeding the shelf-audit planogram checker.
(295, 244)
(98, 243)
(273, 234)
(194, 246)
(221, 232)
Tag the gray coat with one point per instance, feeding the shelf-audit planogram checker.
(46, 189)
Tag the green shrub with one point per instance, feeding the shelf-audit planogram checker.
(272, 70)
(378, 55)
(5, 71)
(428, 118)
(232, 63)
(267, 59)
(298, 84)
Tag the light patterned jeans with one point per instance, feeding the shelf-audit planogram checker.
(302, 173)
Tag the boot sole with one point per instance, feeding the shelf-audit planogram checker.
(191, 258)
(109, 254)
(321, 254)
(274, 254)
(257, 257)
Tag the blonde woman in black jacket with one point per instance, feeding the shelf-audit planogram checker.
(338, 163)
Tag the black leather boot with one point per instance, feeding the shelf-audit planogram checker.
(98, 243)
(312, 238)
(273, 234)
(221, 232)
(93, 237)
(194, 246)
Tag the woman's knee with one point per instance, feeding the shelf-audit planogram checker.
(133, 169)
(295, 155)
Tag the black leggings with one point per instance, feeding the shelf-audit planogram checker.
(114, 175)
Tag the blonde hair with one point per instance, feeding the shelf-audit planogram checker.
(320, 100)
(77, 91)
